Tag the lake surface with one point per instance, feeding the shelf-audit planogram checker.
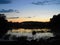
(40, 33)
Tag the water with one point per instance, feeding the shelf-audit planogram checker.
(40, 33)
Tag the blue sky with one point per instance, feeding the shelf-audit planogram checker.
(30, 8)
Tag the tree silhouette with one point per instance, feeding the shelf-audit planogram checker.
(3, 25)
(55, 23)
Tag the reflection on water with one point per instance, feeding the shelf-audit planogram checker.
(28, 32)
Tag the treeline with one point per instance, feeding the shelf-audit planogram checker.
(28, 25)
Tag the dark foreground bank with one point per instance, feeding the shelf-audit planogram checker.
(50, 41)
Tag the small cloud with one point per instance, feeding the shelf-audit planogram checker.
(5, 1)
(12, 17)
(17, 11)
(40, 2)
(46, 2)
(29, 17)
(8, 11)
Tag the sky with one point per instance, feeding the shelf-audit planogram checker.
(30, 8)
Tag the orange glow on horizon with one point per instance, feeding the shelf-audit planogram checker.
(29, 19)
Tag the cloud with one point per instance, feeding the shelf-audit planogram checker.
(5, 1)
(46, 2)
(40, 2)
(12, 17)
(8, 11)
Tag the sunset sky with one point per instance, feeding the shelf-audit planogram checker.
(30, 10)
